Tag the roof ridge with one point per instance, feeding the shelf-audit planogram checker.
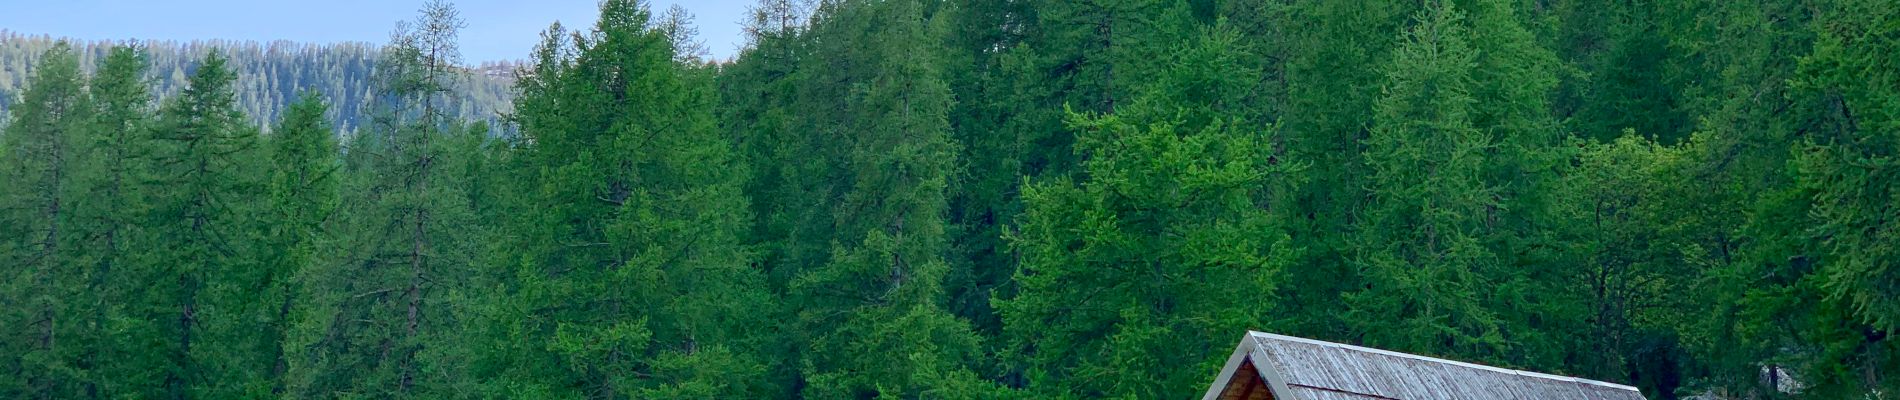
(1539, 375)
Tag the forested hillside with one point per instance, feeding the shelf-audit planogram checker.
(269, 75)
(967, 199)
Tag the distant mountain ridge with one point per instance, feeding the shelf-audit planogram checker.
(271, 74)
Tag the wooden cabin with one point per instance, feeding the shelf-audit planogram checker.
(1273, 367)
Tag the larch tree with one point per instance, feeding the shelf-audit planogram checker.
(1852, 169)
(793, 180)
(1757, 268)
(1631, 67)
(1321, 93)
(378, 324)
(1420, 249)
(984, 194)
(202, 236)
(1167, 242)
(633, 281)
(118, 149)
(1525, 156)
(873, 315)
(44, 150)
(302, 191)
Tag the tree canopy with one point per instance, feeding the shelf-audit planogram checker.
(967, 199)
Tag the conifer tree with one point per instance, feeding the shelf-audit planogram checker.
(1170, 244)
(118, 146)
(1852, 169)
(1849, 165)
(1322, 94)
(872, 316)
(1631, 72)
(302, 192)
(758, 93)
(1756, 270)
(380, 317)
(200, 252)
(44, 149)
(1524, 161)
(1420, 249)
(633, 281)
(983, 197)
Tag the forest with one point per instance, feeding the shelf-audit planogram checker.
(269, 76)
(963, 199)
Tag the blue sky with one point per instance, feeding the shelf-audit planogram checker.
(497, 29)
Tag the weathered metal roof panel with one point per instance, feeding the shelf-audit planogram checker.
(1308, 393)
(1315, 370)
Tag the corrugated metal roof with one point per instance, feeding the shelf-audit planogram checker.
(1306, 369)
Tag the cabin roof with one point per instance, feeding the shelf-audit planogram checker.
(1293, 368)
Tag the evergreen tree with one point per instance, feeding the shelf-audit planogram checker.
(1014, 66)
(380, 322)
(983, 196)
(1421, 250)
(632, 281)
(1322, 94)
(118, 146)
(302, 189)
(872, 317)
(44, 150)
(200, 249)
(1851, 170)
(1524, 160)
(1848, 165)
(1135, 279)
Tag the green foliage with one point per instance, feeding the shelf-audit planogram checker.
(1321, 93)
(968, 199)
(44, 149)
(383, 321)
(114, 176)
(632, 280)
(1166, 248)
(303, 187)
(1134, 280)
(1851, 169)
(1631, 71)
(1421, 248)
(873, 314)
(201, 233)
